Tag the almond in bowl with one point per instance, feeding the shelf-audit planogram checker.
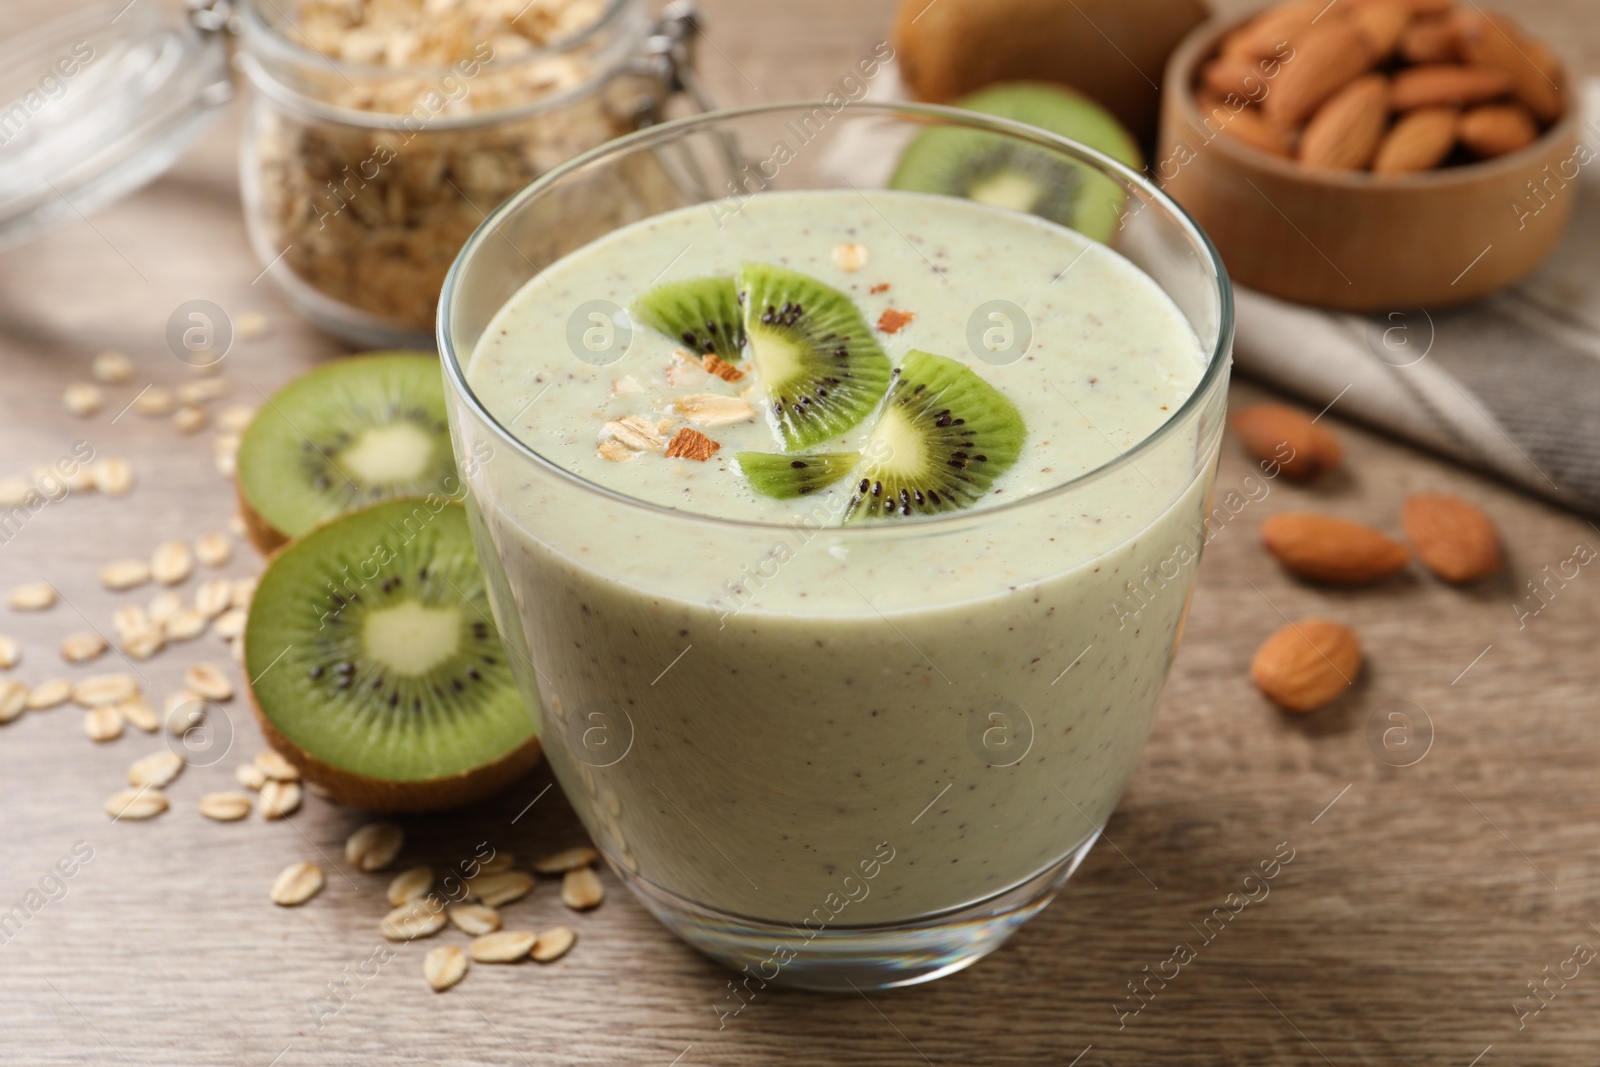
(1373, 154)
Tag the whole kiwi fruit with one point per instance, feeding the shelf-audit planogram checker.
(1111, 50)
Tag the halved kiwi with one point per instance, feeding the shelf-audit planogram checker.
(944, 436)
(350, 433)
(377, 667)
(785, 475)
(820, 367)
(998, 170)
(703, 313)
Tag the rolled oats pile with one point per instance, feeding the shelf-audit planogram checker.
(373, 215)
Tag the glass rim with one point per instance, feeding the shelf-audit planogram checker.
(1218, 357)
(257, 33)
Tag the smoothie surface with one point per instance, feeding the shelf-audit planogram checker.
(1110, 357)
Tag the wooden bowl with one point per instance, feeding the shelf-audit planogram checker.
(1352, 240)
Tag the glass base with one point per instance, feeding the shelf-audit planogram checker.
(855, 958)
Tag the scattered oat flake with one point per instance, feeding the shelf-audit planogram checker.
(249, 776)
(715, 364)
(230, 624)
(113, 476)
(122, 574)
(164, 605)
(189, 419)
(409, 885)
(83, 647)
(157, 769)
(139, 714)
(881, 287)
(581, 889)
(213, 549)
(616, 452)
(36, 597)
(417, 918)
(47, 695)
(186, 625)
(272, 764)
(893, 320)
(505, 946)
(172, 563)
(474, 920)
(243, 590)
(503, 860)
(226, 807)
(141, 646)
(251, 325)
(211, 599)
(633, 432)
(849, 256)
(569, 859)
(10, 653)
(444, 966)
(13, 699)
(154, 402)
(296, 884)
(554, 943)
(98, 690)
(234, 418)
(691, 444)
(280, 799)
(113, 368)
(14, 492)
(374, 846)
(627, 385)
(502, 888)
(145, 802)
(203, 391)
(83, 399)
(103, 724)
(208, 680)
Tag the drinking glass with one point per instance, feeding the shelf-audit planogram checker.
(806, 754)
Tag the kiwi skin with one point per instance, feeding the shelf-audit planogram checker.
(378, 795)
(383, 795)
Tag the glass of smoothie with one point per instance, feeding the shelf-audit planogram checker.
(842, 529)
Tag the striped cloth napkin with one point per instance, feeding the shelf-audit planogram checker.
(1510, 384)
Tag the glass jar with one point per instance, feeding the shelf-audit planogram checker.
(361, 181)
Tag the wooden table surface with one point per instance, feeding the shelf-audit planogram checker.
(1420, 902)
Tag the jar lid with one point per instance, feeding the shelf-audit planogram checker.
(97, 102)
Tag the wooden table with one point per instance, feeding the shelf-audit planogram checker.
(1420, 902)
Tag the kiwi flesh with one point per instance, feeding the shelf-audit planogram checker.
(821, 368)
(786, 475)
(942, 439)
(377, 666)
(998, 170)
(702, 313)
(350, 433)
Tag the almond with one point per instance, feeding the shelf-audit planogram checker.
(1419, 141)
(1345, 132)
(1307, 664)
(1534, 71)
(1327, 57)
(1262, 35)
(1454, 539)
(1416, 7)
(1435, 40)
(1325, 549)
(1235, 76)
(1497, 130)
(691, 444)
(1277, 433)
(1251, 127)
(1447, 85)
(1381, 25)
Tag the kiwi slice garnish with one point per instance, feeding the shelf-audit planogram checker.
(944, 436)
(820, 366)
(785, 475)
(350, 433)
(703, 313)
(997, 169)
(377, 667)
